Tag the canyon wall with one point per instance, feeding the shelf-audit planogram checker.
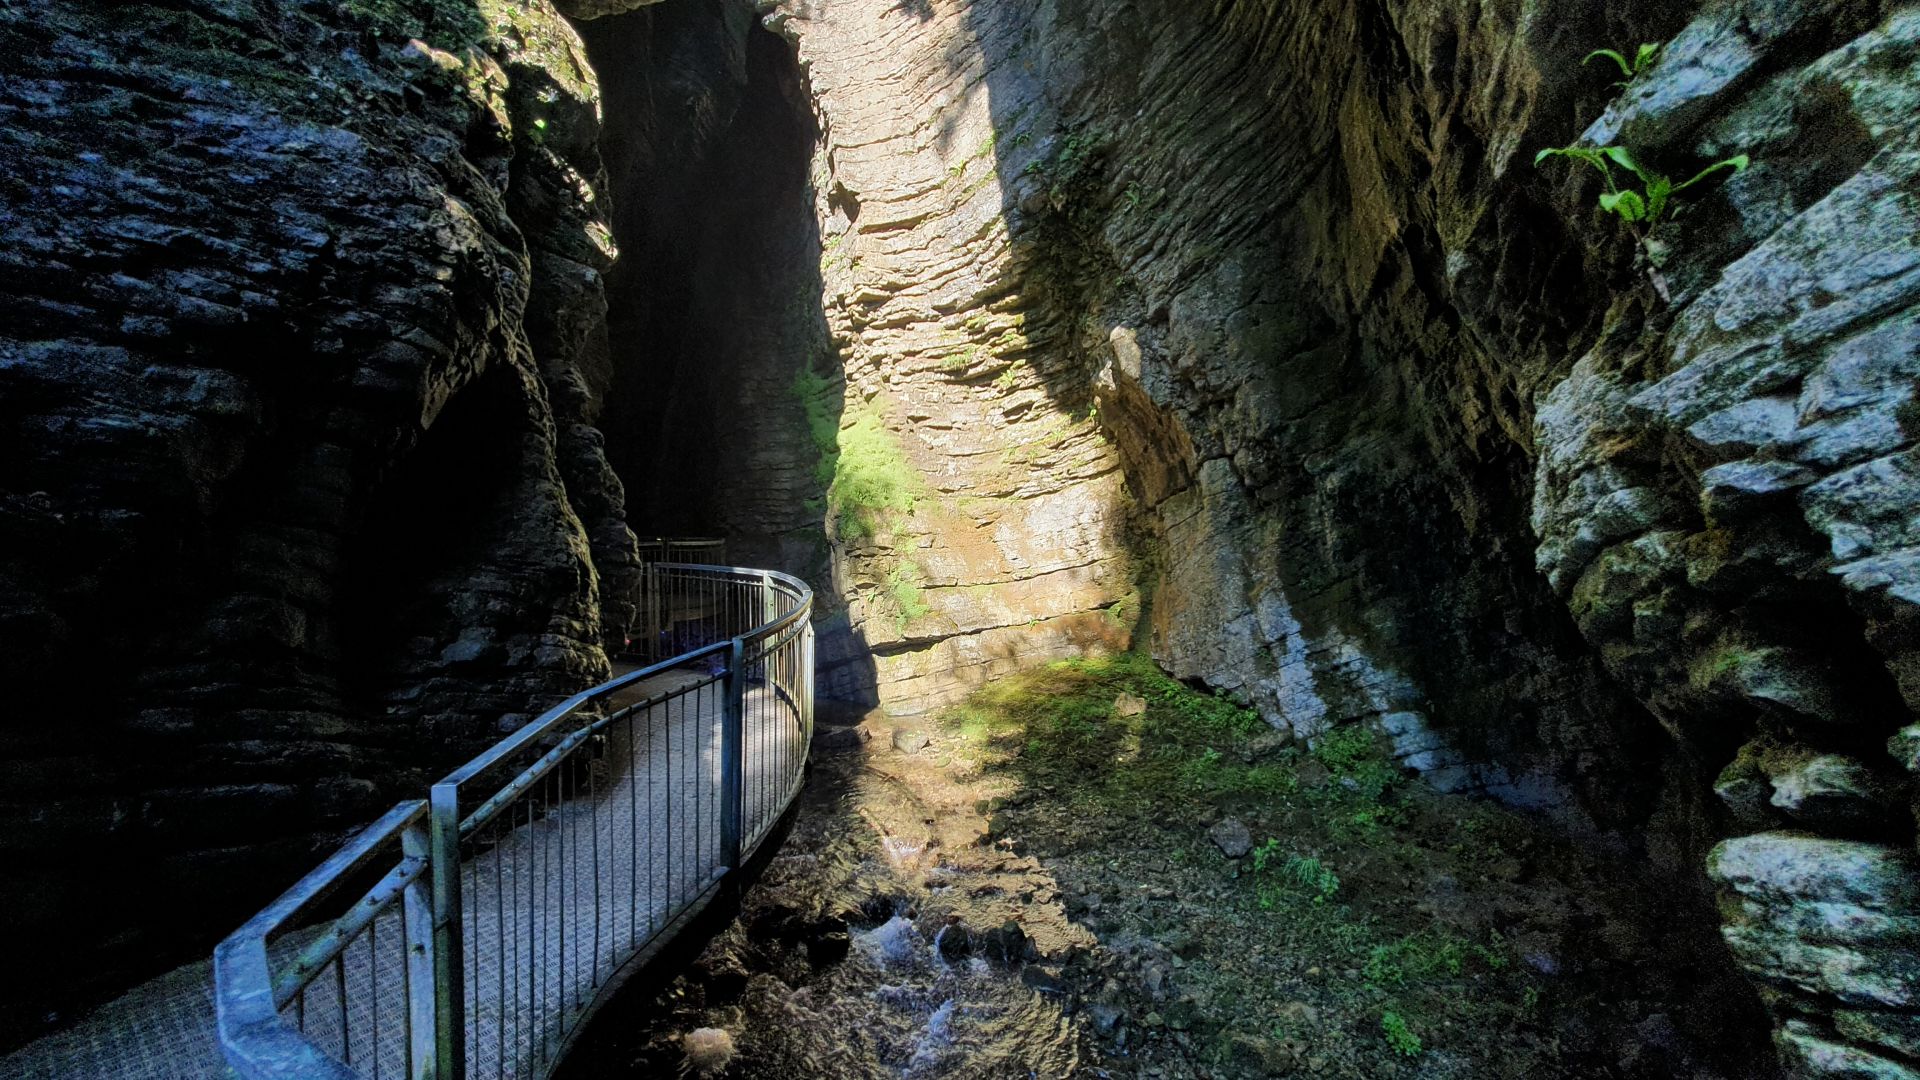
(1247, 330)
(1614, 521)
(301, 344)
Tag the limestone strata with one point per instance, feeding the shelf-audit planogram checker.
(1391, 404)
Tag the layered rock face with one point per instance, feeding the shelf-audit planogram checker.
(1581, 514)
(301, 344)
(715, 312)
(1023, 327)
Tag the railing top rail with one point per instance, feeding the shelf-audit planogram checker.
(533, 729)
(247, 999)
(543, 724)
(323, 879)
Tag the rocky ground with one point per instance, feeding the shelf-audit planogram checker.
(1091, 870)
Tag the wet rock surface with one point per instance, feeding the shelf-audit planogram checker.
(1096, 932)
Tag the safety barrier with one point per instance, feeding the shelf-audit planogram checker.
(510, 902)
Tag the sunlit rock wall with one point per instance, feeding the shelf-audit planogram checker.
(1617, 522)
(976, 505)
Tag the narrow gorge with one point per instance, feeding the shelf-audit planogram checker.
(1303, 581)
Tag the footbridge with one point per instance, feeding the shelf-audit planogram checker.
(471, 932)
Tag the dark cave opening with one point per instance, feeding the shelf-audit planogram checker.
(714, 304)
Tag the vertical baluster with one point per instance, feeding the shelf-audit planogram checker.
(633, 821)
(593, 807)
(373, 978)
(733, 717)
(340, 1000)
(509, 968)
(523, 1024)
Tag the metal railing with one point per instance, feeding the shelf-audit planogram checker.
(517, 896)
(705, 551)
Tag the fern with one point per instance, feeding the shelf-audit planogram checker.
(1656, 194)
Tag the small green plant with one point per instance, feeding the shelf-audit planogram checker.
(1430, 954)
(909, 601)
(961, 360)
(1658, 189)
(1297, 871)
(1353, 753)
(1630, 69)
(1202, 774)
(1399, 1035)
(1310, 874)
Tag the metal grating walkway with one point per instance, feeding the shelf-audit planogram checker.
(549, 931)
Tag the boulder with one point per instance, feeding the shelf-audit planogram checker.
(1230, 835)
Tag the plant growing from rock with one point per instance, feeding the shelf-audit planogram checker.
(1651, 201)
(909, 600)
(1643, 58)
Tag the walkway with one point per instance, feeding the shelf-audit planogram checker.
(577, 874)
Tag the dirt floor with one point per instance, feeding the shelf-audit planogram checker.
(1092, 870)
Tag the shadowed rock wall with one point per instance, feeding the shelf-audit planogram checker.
(301, 345)
(715, 311)
(1244, 324)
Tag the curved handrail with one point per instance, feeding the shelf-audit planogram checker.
(686, 549)
(486, 896)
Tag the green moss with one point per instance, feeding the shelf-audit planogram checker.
(1354, 753)
(1334, 885)
(862, 467)
(1061, 720)
(1124, 613)
(903, 588)
(1726, 664)
(871, 477)
(962, 359)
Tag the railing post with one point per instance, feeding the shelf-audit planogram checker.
(806, 681)
(416, 907)
(732, 728)
(449, 967)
